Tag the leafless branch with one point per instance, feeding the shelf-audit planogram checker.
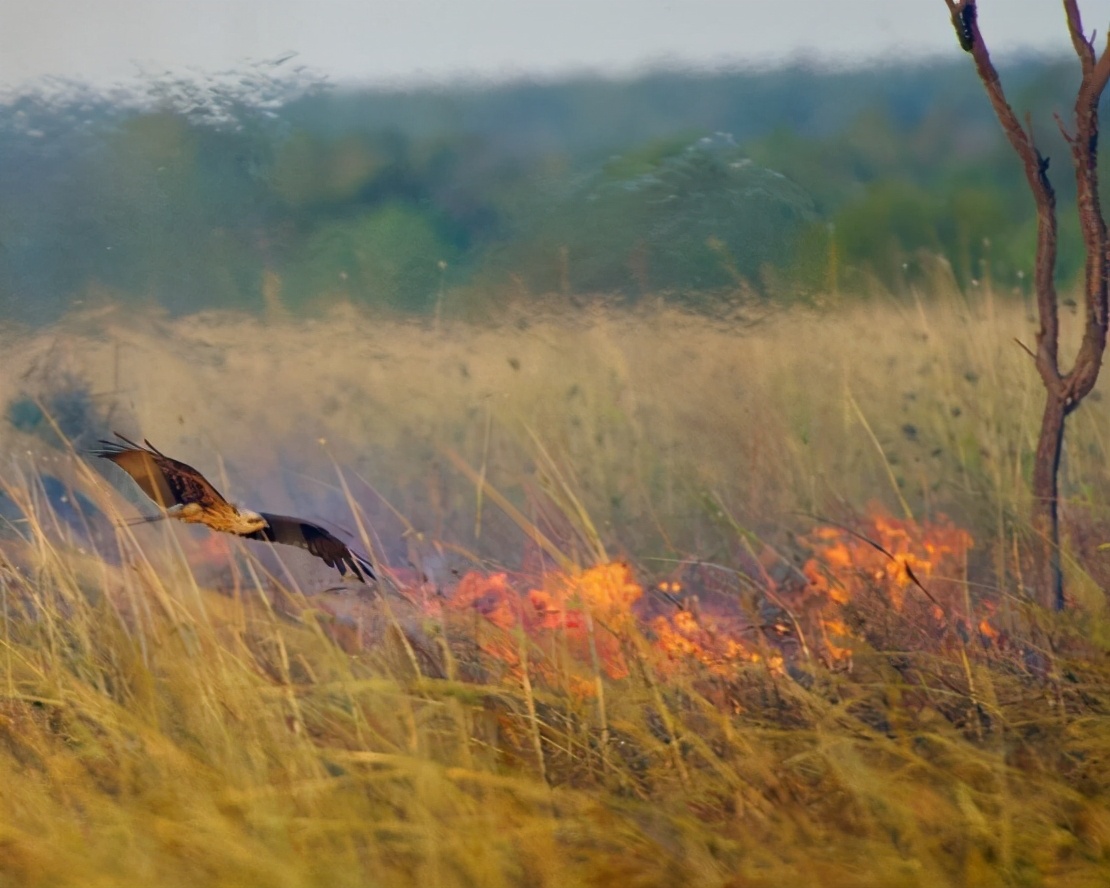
(1084, 48)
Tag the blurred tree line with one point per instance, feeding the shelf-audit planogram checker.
(260, 188)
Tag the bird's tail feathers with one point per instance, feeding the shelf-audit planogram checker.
(144, 519)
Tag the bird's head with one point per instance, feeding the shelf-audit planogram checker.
(251, 521)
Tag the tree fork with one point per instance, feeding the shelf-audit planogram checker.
(1063, 391)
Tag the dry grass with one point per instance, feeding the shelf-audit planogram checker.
(161, 725)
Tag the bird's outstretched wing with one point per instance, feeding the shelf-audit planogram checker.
(166, 481)
(306, 535)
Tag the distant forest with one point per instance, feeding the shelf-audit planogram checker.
(265, 189)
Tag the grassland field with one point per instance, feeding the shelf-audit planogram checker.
(627, 632)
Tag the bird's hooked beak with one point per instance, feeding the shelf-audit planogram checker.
(253, 520)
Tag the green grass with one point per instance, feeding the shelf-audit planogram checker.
(173, 714)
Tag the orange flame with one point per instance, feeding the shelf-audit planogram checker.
(568, 627)
(708, 639)
(583, 615)
(887, 559)
(842, 560)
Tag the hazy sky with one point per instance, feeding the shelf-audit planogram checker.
(406, 40)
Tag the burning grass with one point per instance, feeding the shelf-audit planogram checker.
(664, 605)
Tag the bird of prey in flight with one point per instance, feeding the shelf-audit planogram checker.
(186, 495)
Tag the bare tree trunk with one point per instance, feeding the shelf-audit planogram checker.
(1046, 519)
(1063, 391)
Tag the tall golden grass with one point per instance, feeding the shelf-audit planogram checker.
(163, 725)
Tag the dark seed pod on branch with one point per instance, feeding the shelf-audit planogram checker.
(963, 19)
